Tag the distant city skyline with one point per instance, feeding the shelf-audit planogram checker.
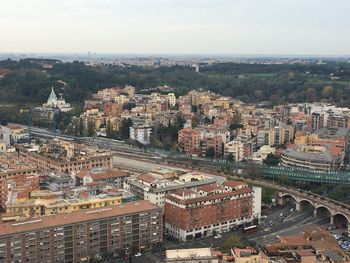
(240, 27)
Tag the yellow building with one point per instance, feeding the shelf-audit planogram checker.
(204, 99)
(222, 103)
(45, 202)
(121, 99)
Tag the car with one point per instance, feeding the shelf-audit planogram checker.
(217, 236)
(291, 210)
(138, 254)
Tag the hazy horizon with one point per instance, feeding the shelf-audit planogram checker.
(176, 27)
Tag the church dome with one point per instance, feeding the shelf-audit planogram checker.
(52, 98)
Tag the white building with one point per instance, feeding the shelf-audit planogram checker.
(121, 99)
(153, 187)
(142, 134)
(4, 140)
(236, 149)
(172, 99)
(257, 202)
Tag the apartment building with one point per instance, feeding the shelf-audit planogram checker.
(189, 140)
(235, 149)
(154, 187)
(11, 165)
(206, 210)
(51, 157)
(280, 135)
(81, 235)
(141, 133)
(172, 99)
(318, 158)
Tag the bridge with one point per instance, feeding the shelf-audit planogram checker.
(339, 213)
(272, 172)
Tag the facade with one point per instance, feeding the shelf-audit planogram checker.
(11, 165)
(317, 121)
(64, 157)
(215, 143)
(15, 132)
(172, 99)
(192, 255)
(281, 134)
(312, 157)
(142, 134)
(153, 187)
(79, 236)
(112, 176)
(189, 140)
(4, 140)
(235, 148)
(210, 209)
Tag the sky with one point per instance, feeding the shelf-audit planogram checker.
(276, 27)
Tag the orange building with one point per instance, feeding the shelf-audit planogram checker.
(208, 209)
(189, 140)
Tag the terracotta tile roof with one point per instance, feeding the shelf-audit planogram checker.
(245, 190)
(58, 220)
(146, 178)
(13, 127)
(102, 174)
(209, 187)
(305, 253)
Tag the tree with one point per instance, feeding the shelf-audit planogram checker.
(80, 130)
(235, 126)
(90, 128)
(125, 128)
(311, 95)
(231, 242)
(271, 159)
(195, 121)
(267, 195)
(229, 157)
(129, 105)
(236, 118)
(210, 152)
(327, 91)
(207, 120)
(109, 129)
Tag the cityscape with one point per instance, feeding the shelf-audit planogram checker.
(152, 149)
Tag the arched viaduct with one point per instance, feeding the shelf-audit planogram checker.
(338, 213)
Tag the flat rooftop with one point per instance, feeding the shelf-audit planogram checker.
(60, 220)
(176, 254)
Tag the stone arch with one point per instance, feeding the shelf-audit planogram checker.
(341, 220)
(323, 212)
(287, 199)
(306, 205)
